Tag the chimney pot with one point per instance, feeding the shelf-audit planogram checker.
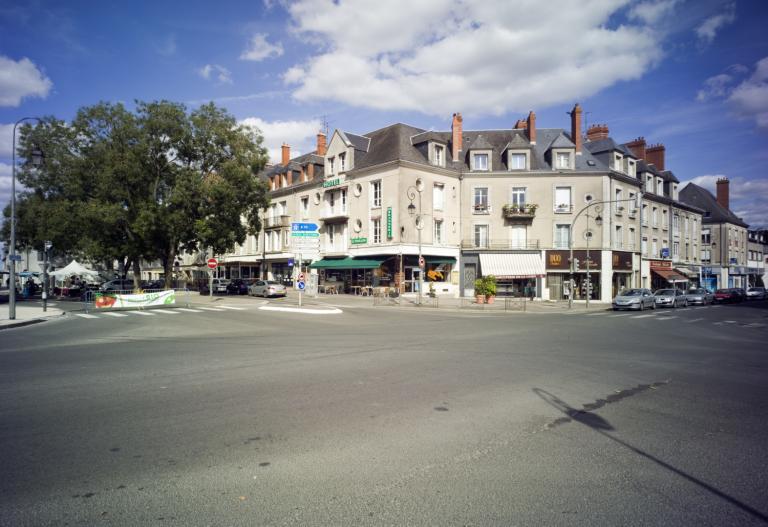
(723, 192)
(531, 127)
(655, 155)
(456, 138)
(321, 144)
(576, 127)
(286, 154)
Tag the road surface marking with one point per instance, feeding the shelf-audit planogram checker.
(597, 314)
(85, 315)
(694, 320)
(622, 315)
(144, 313)
(645, 316)
(231, 307)
(116, 314)
(304, 310)
(187, 310)
(729, 321)
(167, 312)
(666, 317)
(211, 309)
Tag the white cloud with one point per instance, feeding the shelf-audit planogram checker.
(653, 11)
(21, 79)
(474, 56)
(714, 87)
(708, 29)
(747, 196)
(748, 99)
(6, 140)
(220, 73)
(300, 135)
(259, 49)
(5, 185)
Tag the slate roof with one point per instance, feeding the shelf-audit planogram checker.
(359, 142)
(697, 196)
(480, 143)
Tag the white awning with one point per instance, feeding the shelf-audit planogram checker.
(506, 266)
(687, 272)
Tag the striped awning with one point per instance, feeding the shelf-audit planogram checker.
(506, 266)
(669, 275)
(687, 272)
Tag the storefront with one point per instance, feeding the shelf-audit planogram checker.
(517, 274)
(621, 262)
(664, 276)
(690, 273)
(586, 275)
(353, 275)
(708, 277)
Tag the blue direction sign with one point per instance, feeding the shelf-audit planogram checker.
(304, 227)
(301, 285)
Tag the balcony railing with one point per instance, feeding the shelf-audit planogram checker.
(563, 208)
(481, 209)
(335, 213)
(472, 243)
(512, 211)
(274, 222)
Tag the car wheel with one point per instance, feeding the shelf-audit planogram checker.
(653, 306)
(642, 306)
(266, 295)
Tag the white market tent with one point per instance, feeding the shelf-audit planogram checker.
(73, 269)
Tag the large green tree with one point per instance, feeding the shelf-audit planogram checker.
(144, 184)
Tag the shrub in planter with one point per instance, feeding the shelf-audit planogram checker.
(480, 290)
(489, 288)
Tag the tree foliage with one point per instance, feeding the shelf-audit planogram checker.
(146, 184)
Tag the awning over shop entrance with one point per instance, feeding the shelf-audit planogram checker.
(686, 272)
(507, 266)
(670, 275)
(347, 263)
(437, 260)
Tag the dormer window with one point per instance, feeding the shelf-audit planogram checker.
(618, 162)
(563, 160)
(480, 161)
(517, 160)
(630, 167)
(330, 165)
(342, 162)
(438, 155)
(649, 183)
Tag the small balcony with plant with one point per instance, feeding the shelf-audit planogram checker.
(511, 211)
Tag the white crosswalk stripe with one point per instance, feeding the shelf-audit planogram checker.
(143, 313)
(211, 309)
(86, 315)
(116, 314)
(622, 315)
(597, 314)
(666, 317)
(694, 320)
(167, 311)
(232, 307)
(644, 316)
(188, 310)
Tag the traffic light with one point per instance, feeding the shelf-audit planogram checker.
(575, 264)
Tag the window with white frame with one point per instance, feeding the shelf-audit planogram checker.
(518, 196)
(685, 226)
(376, 230)
(618, 237)
(644, 243)
(438, 232)
(563, 160)
(305, 207)
(632, 203)
(562, 235)
(438, 196)
(649, 184)
(479, 161)
(618, 196)
(655, 247)
(563, 199)
(676, 250)
(342, 162)
(618, 164)
(655, 217)
(517, 161)
(481, 235)
(665, 219)
(330, 231)
(706, 255)
(286, 239)
(438, 155)
(676, 224)
(645, 214)
(480, 199)
(631, 239)
(630, 167)
(331, 160)
(518, 237)
(706, 236)
(376, 193)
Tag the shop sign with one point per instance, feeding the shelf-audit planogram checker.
(335, 182)
(622, 261)
(660, 264)
(389, 223)
(558, 260)
(359, 241)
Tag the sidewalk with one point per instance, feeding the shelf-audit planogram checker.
(26, 314)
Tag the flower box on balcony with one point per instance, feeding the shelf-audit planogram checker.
(519, 211)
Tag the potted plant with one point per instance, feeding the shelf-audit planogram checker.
(480, 291)
(490, 288)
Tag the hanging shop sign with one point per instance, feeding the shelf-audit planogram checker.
(389, 223)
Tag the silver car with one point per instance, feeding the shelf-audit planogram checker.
(634, 299)
(700, 296)
(670, 298)
(266, 288)
(756, 293)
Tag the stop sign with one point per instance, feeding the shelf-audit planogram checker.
(213, 263)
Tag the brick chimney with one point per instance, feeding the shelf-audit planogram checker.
(576, 127)
(655, 155)
(456, 137)
(531, 124)
(723, 197)
(637, 147)
(597, 131)
(321, 145)
(286, 154)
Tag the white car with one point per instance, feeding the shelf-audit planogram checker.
(267, 288)
(756, 293)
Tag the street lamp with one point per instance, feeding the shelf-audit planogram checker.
(411, 193)
(36, 159)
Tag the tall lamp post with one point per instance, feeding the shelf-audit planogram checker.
(46, 247)
(411, 193)
(36, 160)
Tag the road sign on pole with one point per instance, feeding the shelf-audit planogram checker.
(304, 227)
(213, 263)
(421, 262)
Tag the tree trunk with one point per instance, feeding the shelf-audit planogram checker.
(168, 261)
(136, 272)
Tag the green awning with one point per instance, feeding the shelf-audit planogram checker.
(347, 263)
(440, 259)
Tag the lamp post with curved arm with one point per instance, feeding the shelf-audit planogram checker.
(411, 193)
(36, 160)
(598, 206)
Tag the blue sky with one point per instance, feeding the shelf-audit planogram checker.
(691, 74)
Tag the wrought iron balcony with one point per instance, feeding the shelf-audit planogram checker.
(511, 211)
(275, 222)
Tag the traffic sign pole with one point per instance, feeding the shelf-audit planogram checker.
(301, 275)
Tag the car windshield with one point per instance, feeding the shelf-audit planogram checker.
(758, 289)
(633, 292)
(272, 282)
(665, 292)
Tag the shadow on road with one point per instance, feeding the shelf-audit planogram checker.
(601, 426)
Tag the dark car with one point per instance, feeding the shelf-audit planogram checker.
(728, 296)
(154, 284)
(219, 286)
(238, 286)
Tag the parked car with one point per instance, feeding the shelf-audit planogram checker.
(154, 284)
(670, 298)
(117, 285)
(267, 288)
(219, 286)
(700, 296)
(238, 286)
(729, 296)
(756, 293)
(634, 299)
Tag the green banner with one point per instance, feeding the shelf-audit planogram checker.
(389, 223)
(159, 298)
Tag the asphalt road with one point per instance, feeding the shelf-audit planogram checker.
(382, 416)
